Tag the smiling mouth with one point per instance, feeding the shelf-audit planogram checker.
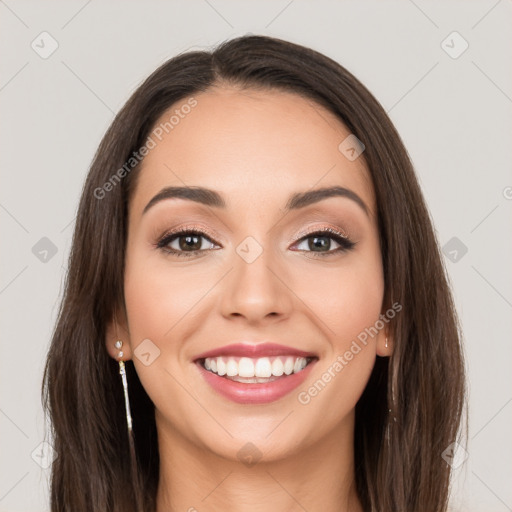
(255, 370)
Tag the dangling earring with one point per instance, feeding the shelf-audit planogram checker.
(122, 372)
(133, 458)
(386, 343)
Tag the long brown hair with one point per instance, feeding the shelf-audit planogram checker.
(398, 454)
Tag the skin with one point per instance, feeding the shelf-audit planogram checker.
(256, 148)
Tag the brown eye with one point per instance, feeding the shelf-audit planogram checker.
(183, 242)
(320, 242)
(190, 242)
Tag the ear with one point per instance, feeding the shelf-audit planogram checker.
(117, 329)
(382, 350)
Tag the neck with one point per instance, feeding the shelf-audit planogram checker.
(320, 477)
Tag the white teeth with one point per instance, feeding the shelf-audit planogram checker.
(277, 367)
(245, 367)
(231, 368)
(263, 367)
(221, 366)
(288, 365)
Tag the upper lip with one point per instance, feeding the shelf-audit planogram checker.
(254, 351)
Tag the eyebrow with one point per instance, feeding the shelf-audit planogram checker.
(212, 198)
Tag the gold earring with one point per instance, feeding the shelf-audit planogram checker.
(131, 440)
(122, 371)
(118, 344)
(386, 343)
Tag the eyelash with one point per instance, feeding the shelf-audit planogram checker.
(344, 243)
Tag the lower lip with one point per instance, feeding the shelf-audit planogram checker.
(255, 393)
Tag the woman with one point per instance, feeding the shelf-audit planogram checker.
(254, 256)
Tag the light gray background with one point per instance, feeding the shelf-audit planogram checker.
(454, 115)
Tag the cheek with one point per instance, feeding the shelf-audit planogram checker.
(350, 310)
(346, 298)
(158, 297)
(160, 306)
(355, 304)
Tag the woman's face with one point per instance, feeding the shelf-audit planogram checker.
(255, 276)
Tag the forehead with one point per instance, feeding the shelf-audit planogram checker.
(255, 147)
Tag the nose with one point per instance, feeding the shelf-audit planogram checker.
(257, 290)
